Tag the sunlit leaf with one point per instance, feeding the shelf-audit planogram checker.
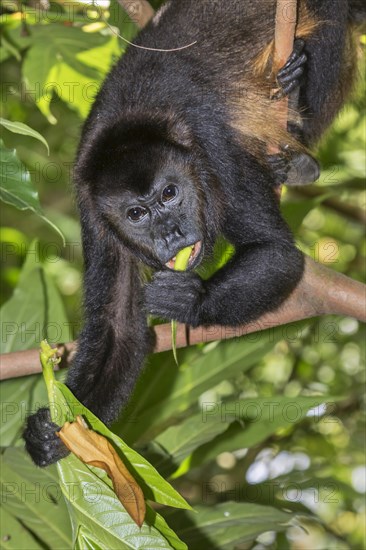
(16, 187)
(61, 69)
(94, 449)
(23, 129)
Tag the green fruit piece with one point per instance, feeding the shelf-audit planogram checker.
(182, 258)
(181, 264)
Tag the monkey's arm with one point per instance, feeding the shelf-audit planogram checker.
(266, 267)
(257, 280)
(112, 344)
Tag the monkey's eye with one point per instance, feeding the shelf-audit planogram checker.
(169, 193)
(136, 214)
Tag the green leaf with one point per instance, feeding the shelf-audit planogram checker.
(161, 525)
(258, 418)
(15, 185)
(23, 129)
(223, 251)
(69, 66)
(180, 441)
(154, 486)
(35, 311)
(16, 398)
(15, 182)
(93, 505)
(14, 535)
(8, 50)
(33, 496)
(295, 212)
(119, 19)
(225, 526)
(99, 511)
(164, 392)
(86, 540)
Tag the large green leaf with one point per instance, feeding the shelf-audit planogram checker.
(165, 391)
(255, 420)
(33, 496)
(94, 506)
(34, 311)
(225, 526)
(154, 486)
(16, 187)
(16, 402)
(180, 441)
(23, 129)
(14, 535)
(258, 418)
(99, 512)
(72, 65)
(15, 182)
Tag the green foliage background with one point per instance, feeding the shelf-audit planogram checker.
(231, 426)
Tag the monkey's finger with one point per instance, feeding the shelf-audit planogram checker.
(285, 90)
(290, 67)
(290, 76)
(299, 45)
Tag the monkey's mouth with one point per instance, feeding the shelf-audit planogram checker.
(193, 258)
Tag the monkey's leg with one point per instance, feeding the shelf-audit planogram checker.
(293, 168)
(289, 76)
(330, 69)
(112, 345)
(41, 440)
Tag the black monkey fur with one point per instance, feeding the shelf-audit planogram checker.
(174, 154)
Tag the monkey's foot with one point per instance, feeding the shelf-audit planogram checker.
(41, 440)
(288, 78)
(296, 169)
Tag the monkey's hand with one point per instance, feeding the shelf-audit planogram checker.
(295, 169)
(41, 441)
(175, 295)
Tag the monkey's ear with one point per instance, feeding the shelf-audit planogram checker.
(179, 132)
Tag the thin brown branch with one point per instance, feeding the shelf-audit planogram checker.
(321, 292)
(286, 19)
(139, 11)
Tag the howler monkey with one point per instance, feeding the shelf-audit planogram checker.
(173, 154)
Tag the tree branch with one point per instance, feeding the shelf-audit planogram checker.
(321, 291)
(286, 20)
(139, 11)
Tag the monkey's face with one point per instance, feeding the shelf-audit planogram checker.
(157, 212)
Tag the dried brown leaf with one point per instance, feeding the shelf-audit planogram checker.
(94, 449)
